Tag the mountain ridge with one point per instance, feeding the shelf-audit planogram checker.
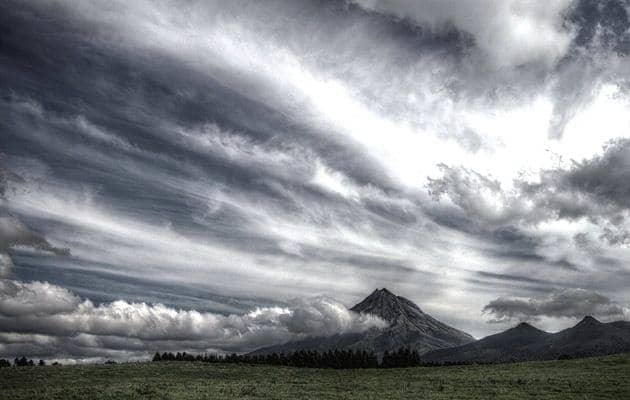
(589, 337)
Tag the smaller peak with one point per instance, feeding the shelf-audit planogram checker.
(588, 320)
(526, 329)
(524, 326)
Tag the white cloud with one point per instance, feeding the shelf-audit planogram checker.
(334, 182)
(605, 118)
(48, 312)
(34, 298)
(287, 161)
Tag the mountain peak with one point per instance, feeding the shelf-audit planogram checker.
(404, 315)
(382, 293)
(408, 327)
(385, 304)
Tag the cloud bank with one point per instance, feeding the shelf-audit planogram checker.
(568, 303)
(46, 320)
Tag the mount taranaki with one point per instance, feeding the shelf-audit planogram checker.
(437, 342)
(408, 327)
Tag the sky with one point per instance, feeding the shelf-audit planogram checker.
(221, 176)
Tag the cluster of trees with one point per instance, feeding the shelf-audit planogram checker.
(21, 362)
(401, 358)
(338, 359)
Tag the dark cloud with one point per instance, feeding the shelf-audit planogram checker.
(512, 283)
(601, 23)
(595, 189)
(14, 232)
(603, 177)
(492, 20)
(477, 204)
(567, 303)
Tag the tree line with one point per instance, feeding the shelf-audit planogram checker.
(23, 362)
(337, 359)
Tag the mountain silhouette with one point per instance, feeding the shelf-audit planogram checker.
(512, 345)
(408, 327)
(524, 342)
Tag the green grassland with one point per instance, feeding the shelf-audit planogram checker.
(593, 378)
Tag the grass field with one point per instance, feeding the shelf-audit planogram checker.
(595, 378)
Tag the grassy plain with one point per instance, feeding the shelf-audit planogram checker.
(592, 378)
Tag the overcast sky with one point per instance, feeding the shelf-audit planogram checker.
(222, 175)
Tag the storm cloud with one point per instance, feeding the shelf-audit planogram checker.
(568, 303)
(510, 33)
(13, 232)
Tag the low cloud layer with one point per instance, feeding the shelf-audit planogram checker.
(568, 303)
(46, 320)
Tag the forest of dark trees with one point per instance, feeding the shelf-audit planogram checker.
(337, 359)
